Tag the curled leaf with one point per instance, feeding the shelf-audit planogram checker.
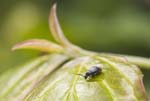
(56, 29)
(39, 44)
(60, 38)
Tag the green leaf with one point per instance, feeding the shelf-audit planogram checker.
(117, 82)
(17, 83)
(53, 78)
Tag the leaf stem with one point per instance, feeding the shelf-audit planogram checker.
(137, 60)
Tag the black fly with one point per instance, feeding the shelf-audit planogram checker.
(92, 72)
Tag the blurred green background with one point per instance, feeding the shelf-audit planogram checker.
(118, 26)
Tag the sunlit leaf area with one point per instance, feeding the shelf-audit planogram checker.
(121, 27)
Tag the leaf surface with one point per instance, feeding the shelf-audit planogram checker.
(117, 82)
